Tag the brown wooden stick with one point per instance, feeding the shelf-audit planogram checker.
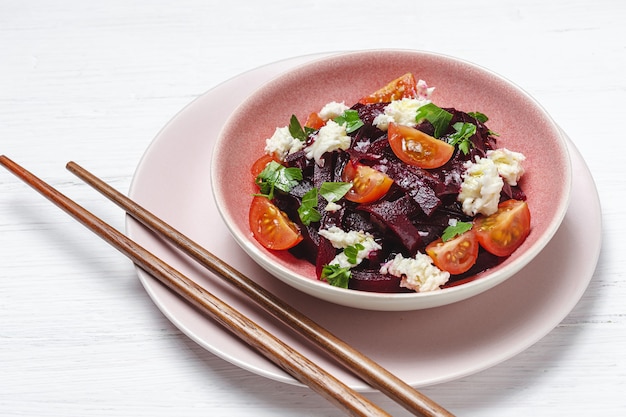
(361, 365)
(271, 347)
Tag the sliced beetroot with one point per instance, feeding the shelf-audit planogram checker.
(309, 247)
(374, 281)
(512, 192)
(396, 215)
(368, 112)
(325, 171)
(325, 254)
(297, 160)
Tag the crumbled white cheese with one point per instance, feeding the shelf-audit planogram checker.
(332, 206)
(508, 163)
(342, 260)
(401, 112)
(331, 136)
(362, 145)
(480, 190)
(282, 143)
(423, 90)
(332, 110)
(483, 180)
(418, 273)
(341, 240)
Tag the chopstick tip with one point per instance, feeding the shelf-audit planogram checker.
(5, 161)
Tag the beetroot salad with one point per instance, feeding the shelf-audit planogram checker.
(391, 194)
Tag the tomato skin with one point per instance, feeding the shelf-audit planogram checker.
(504, 231)
(402, 87)
(271, 227)
(314, 121)
(368, 184)
(259, 165)
(415, 147)
(456, 255)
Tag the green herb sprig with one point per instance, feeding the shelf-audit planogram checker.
(352, 252)
(462, 137)
(308, 208)
(330, 191)
(334, 191)
(438, 117)
(351, 119)
(277, 176)
(455, 230)
(481, 117)
(297, 131)
(336, 276)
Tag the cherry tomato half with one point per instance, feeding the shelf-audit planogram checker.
(505, 230)
(368, 184)
(259, 165)
(415, 147)
(402, 87)
(456, 255)
(271, 227)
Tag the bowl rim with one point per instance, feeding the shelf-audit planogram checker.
(393, 301)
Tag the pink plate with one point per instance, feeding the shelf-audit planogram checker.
(463, 338)
(522, 125)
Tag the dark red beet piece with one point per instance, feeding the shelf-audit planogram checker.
(374, 281)
(396, 216)
(325, 254)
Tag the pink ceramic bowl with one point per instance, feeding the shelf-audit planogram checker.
(523, 126)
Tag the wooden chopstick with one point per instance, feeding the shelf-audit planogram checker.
(281, 354)
(361, 365)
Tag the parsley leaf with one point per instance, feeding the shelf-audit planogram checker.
(336, 275)
(278, 176)
(308, 209)
(297, 131)
(455, 230)
(331, 191)
(481, 117)
(461, 138)
(438, 117)
(334, 191)
(351, 119)
(351, 252)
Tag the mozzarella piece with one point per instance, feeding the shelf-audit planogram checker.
(341, 240)
(508, 163)
(401, 112)
(423, 90)
(418, 273)
(332, 136)
(332, 206)
(282, 143)
(332, 110)
(480, 190)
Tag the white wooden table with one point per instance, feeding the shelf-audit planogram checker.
(95, 82)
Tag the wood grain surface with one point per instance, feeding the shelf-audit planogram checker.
(95, 82)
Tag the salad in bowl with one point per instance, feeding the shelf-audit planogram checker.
(422, 182)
